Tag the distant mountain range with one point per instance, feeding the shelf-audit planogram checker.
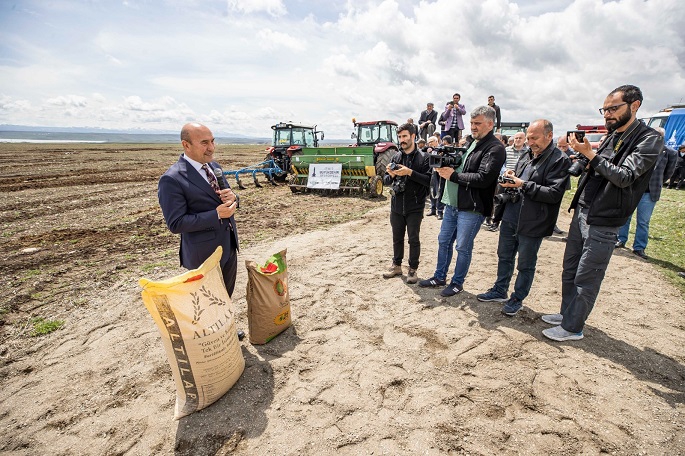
(24, 133)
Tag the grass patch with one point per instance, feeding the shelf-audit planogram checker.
(666, 233)
(152, 266)
(41, 326)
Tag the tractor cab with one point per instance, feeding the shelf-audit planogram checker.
(288, 139)
(381, 134)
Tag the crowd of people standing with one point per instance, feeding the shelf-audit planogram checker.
(517, 185)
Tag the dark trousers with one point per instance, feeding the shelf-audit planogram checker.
(498, 208)
(229, 271)
(509, 245)
(588, 251)
(453, 132)
(411, 223)
(678, 178)
(437, 188)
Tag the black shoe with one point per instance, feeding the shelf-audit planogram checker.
(451, 290)
(557, 230)
(430, 213)
(432, 283)
(439, 216)
(641, 254)
(241, 334)
(620, 244)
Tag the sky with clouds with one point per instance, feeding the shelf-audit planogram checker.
(241, 66)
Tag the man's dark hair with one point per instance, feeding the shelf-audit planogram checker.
(406, 127)
(631, 93)
(448, 139)
(456, 95)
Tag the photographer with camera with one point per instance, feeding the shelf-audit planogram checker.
(437, 185)
(532, 195)
(608, 192)
(408, 176)
(470, 180)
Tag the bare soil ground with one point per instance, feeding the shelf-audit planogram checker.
(370, 366)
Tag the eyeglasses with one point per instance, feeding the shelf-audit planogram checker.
(611, 109)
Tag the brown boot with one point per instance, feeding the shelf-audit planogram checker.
(412, 278)
(394, 271)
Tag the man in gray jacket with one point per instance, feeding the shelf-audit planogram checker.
(616, 178)
(531, 203)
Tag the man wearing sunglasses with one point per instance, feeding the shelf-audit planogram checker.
(608, 192)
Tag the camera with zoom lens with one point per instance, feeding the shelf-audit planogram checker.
(446, 156)
(510, 195)
(399, 183)
(577, 168)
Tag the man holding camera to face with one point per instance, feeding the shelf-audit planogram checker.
(608, 192)
(469, 187)
(532, 195)
(408, 176)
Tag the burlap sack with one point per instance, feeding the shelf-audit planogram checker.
(196, 320)
(268, 300)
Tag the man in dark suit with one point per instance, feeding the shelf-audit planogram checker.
(194, 206)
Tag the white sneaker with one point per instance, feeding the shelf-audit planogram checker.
(553, 319)
(561, 335)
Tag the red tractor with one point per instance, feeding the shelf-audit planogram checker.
(382, 136)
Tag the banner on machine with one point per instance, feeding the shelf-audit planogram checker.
(324, 175)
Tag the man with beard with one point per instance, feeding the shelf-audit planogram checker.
(408, 176)
(616, 178)
(468, 193)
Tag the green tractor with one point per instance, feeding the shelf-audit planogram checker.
(362, 164)
(289, 139)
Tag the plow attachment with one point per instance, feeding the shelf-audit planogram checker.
(268, 167)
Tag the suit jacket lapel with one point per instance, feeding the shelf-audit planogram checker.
(190, 173)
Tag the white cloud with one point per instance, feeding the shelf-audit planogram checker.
(75, 101)
(272, 7)
(270, 39)
(253, 64)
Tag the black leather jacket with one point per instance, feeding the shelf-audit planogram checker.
(542, 193)
(478, 179)
(413, 198)
(626, 176)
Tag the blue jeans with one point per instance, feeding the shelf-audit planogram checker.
(644, 213)
(509, 245)
(461, 226)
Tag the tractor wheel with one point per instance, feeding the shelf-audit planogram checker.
(292, 181)
(376, 187)
(382, 161)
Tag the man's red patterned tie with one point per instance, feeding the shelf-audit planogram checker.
(211, 178)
